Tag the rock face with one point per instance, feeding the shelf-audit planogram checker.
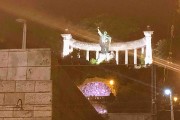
(25, 84)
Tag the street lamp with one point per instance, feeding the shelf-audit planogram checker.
(175, 99)
(24, 32)
(111, 82)
(168, 92)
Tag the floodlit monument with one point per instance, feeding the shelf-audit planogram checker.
(105, 49)
(105, 41)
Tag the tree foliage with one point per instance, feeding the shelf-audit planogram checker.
(162, 48)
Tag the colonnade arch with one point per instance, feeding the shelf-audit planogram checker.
(143, 44)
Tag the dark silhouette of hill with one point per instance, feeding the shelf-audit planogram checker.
(68, 101)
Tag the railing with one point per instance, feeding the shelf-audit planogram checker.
(101, 98)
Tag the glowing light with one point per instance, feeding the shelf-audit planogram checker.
(165, 63)
(111, 82)
(167, 91)
(100, 108)
(175, 99)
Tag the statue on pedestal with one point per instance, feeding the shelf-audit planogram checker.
(105, 41)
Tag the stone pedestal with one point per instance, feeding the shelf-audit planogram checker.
(105, 57)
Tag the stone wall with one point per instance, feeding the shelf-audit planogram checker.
(130, 116)
(25, 75)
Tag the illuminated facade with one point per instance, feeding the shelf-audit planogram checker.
(95, 92)
(95, 89)
(143, 44)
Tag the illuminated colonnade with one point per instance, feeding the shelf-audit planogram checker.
(144, 44)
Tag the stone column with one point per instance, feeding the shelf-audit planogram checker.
(66, 44)
(117, 57)
(135, 56)
(87, 55)
(126, 57)
(142, 50)
(142, 57)
(148, 37)
(97, 54)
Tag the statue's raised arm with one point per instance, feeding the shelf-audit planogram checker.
(99, 32)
